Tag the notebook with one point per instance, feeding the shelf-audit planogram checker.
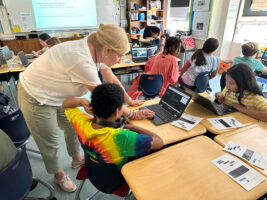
(171, 106)
(211, 104)
(139, 54)
(23, 59)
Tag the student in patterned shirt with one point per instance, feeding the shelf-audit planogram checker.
(243, 93)
(104, 142)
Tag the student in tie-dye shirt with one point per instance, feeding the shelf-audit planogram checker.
(108, 144)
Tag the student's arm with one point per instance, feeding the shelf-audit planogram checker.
(157, 141)
(213, 74)
(111, 78)
(185, 67)
(259, 115)
(264, 70)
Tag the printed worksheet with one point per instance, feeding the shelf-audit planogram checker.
(253, 157)
(244, 175)
(221, 123)
(187, 122)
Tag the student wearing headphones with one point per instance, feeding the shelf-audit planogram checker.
(67, 70)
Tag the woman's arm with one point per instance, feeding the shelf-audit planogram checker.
(157, 141)
(259, 115)
(111, 78)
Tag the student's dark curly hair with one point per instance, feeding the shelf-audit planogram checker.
(172, 44)
(209, 46)
(245, 80)
(106, 98)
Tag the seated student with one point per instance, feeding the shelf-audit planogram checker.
(42, 39)
(201, 61)
(5, 109)
(152, 32)
(101, 137)
(243, 93)
(250, 50)
(164, 63)
(52, 42)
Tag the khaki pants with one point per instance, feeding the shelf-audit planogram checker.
(43, 122)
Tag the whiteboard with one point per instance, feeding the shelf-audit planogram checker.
(21, 15)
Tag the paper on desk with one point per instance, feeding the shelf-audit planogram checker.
(221, 123)
(244, 175)
(253, 157)
(187, 122)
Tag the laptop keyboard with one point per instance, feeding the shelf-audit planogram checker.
(222, 108)
(161, 113)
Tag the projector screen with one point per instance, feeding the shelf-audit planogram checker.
(57, 15)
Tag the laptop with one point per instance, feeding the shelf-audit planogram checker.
(264, 58)
(171, 106)
(211, 104)
(139, 54)
(23, 59)
(151, 51)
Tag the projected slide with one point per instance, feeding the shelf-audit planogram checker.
(64, 14)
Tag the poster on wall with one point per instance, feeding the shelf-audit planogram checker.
(200, 25)
(201, 5)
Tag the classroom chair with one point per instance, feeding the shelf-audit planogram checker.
(202, 82)
(15, 127)
(16, 179)
(106, 177)
(150, 84)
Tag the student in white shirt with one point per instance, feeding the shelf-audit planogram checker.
(68, 70)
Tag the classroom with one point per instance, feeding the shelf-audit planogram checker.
(133, 99)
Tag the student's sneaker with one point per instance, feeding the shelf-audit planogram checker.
(76, 164)
(66, 184)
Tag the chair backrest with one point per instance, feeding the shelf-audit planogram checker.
(223, 81)
(150, 84)
(106, 177)
(202, 82)
(16, 178)
(15, 127)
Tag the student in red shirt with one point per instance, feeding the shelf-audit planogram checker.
(164, 63)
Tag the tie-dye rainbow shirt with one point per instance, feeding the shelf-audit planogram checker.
(111, 145)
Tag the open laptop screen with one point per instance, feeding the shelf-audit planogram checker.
(151, 51)
(139, 52)
(176, 99)
(264, 56)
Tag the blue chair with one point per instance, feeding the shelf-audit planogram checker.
(202, 82)
(15, 127)
(150, 84)
(16, 179)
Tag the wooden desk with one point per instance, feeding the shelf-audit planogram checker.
(185, 171)
(200, 111)
(9, 67)
(126, 65)
(253, 137)
(167, 132)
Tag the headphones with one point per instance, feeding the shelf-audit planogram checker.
(119, 123)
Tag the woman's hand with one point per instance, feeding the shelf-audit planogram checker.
(143, 114)
(219, 97)
(135, 103)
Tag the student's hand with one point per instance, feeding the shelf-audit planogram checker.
(219, 97)
(143, 114)
(35, 53)
(87, 106)
(134, 103)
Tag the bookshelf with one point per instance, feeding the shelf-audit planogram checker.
(147, 13)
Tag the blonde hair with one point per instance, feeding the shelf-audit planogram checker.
(112, 36)
(250, 48)
(52, 41)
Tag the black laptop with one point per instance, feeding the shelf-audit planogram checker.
(211, 104)
(151, 51)
(23, 59)
(171, 106)
(264, 58)
(139, 54)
